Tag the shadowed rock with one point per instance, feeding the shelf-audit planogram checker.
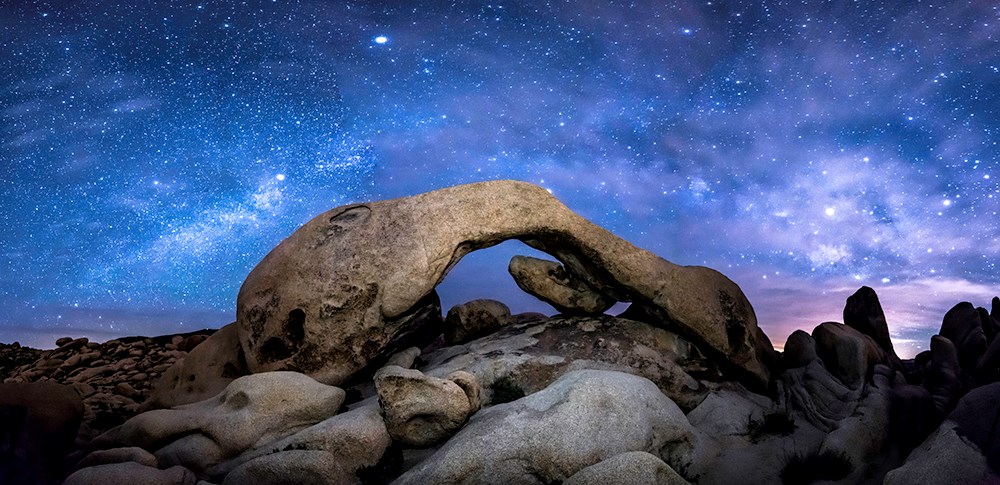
(962, 326)
(474, 319)
(863, 312)
(341, 290)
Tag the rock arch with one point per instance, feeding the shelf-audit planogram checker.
(343, 288)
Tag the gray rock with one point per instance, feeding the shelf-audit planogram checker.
(326, 301)
(355, 439)
(525, 358)
(293, 467)
(978, 419)
(474, 319)
(818, 397)
(131, 473)
(550, 282)
(943, 459)
(119, 455)
(252, 411)
(631, 468)
(581, 419)
(863, 437)
(727, 412)
(421, 410)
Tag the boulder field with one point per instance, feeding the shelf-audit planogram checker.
(342, 367)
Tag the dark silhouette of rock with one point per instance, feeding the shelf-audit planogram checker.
(913, 415)
(847, 353)
(327, 300)
(863, 312)
(800, 350)
(38, 424)
(944, 378)
(962, 327)
(550, 282)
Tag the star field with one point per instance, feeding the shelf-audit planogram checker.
(153, 153)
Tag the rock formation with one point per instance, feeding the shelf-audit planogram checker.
(327, 301)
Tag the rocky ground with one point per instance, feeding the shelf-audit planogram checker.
(112, 379)
(366, 380)
(533, 399)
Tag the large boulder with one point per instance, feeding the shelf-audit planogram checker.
(963, 327)
(581, 419)
(847, 353)
(326, 301)
(38, 424)
(550, 282)
(944, 458)
(251, 411)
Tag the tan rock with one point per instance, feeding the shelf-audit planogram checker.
(421, 410)
(551, 283)
(327, 301)
(203, 373)
(474, 319)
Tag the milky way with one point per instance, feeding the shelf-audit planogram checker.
(153, 153)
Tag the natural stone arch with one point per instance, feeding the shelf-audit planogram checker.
(344, 288)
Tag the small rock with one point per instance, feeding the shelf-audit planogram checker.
(421, 410)
(474, 319)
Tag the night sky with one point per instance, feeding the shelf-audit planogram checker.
(153, 152)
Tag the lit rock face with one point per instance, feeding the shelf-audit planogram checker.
(350, 285)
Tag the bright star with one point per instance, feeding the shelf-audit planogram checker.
(280, 177)
(381, 39)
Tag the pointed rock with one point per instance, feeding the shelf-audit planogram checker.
(863, 312)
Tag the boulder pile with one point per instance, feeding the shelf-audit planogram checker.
(343, 368)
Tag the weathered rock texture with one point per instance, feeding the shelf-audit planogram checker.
(581, 419)
(550, 282)
(342, 290)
